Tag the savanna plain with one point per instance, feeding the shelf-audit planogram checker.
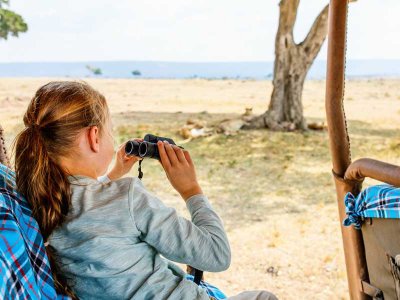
(273, 190)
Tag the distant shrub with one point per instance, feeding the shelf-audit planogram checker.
(94, 70)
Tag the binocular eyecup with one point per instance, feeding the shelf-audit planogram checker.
(147, 148)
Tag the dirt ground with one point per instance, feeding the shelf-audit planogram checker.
(274, 191)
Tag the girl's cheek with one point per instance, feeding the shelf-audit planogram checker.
(111, 143)
(111, 150)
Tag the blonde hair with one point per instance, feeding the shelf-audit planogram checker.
(54, 118)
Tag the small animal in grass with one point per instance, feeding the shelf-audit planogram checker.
(248, 111)
(248, 114)
(232, 126)
(194, 128)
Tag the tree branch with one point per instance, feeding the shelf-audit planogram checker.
(316, 36)
(287, 15)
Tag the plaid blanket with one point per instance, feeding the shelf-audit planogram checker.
(379, 201)
(211, 290)
(24, 266)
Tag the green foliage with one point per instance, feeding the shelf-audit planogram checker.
(7, 2)
(136, 73)
(10, 22)
(94, 70)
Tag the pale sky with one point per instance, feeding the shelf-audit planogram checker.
(185, 30)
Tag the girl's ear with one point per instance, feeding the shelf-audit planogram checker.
(94, 138)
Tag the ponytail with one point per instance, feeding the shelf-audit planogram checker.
(53, 120)
(39, 178)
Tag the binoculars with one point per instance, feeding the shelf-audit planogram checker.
(147, 148)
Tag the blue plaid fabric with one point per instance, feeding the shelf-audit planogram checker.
(24, 266)
(211, 290)
(378, 201)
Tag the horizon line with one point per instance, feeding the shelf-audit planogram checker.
(182, 62)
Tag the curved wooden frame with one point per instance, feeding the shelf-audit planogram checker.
(340, 145)
(378, 170)
(348, 176)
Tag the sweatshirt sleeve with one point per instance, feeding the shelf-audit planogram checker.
(201, 243)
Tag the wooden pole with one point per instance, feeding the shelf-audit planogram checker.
(340, 144)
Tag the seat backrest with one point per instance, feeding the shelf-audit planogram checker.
(376, 210)
(24, 265)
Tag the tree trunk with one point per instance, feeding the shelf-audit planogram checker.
(292, 63)
(285, 109)
(3, 153)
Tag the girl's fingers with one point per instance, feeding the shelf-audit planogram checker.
(171, 154)
(129, 158)
(187, 157)
(163, 155)
(179, 154)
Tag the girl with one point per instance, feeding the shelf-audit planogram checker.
(108, 238)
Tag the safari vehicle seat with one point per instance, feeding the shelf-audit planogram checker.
(376, 211)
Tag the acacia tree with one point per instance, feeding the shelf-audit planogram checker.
(10, 22)
(292, 62)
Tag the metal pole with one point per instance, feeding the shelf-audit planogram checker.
(340, 144)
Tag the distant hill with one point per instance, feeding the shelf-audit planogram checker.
(212, 70)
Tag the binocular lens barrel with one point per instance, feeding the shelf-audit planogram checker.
(132, 148)
(150, 150)
(142, 149)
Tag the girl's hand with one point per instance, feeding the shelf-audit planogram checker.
(123, 163)
(180, 169)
